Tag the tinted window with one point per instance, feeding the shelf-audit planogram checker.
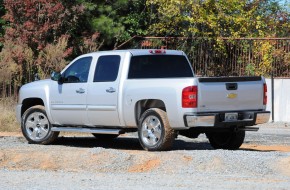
(159, 66)
(107, 68)
(78, 71)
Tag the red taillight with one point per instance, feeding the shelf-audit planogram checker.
(189, 97)
(157, 51)
(265, 94)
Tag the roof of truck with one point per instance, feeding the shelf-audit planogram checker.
(142, 52)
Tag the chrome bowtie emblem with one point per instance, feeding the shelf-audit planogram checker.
(232, 95)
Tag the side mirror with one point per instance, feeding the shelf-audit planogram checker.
(56, 76)
(36, 77)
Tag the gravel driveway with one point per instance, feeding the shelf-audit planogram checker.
(84, 162)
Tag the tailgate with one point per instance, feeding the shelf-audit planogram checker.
(230, 94)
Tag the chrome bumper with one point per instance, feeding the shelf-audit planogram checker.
(249, 118)
(18, 112)
(205, 121)
(262, 118)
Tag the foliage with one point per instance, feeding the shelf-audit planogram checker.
(116, 21)
(265, 51)
(231, 19)
(16, 60)
(38, 22)
(43, 35)
(250, 69)
(35, 33)
(224, 18)
(52, 57)
(91, 43)
(2, 23)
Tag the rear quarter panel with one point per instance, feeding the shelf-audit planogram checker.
(167, 90)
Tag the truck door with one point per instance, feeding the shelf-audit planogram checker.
(68, 100)
(102, 98)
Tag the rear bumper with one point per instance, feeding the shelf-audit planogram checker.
(245, 118)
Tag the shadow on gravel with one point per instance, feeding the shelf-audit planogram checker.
(125, 143)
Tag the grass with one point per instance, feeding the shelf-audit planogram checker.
(8, 122)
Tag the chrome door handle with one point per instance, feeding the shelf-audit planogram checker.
(111, 90)
(80, 91)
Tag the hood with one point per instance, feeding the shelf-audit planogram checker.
(36, 84)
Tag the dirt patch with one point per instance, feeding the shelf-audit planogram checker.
(145, 167)
(187, 158)
(277, 148)
(16, 159)
(10, 134)
(284, 166)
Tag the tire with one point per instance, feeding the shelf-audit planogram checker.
(154, 131)
(226, 140)
(36, 127)
(105, 136)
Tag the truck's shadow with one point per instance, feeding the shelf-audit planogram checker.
(125, 143)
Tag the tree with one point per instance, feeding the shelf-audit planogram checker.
(224, 18)
(16, 60)
(2, 23)
(39, 22)
(211, 21)
(116, 21)
(36, 26)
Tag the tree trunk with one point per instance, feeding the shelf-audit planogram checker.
(10, 87)
(3, 89)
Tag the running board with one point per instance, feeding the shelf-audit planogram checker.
(249, 129)
(88, 130)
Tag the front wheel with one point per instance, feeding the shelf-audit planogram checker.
(154, 131)
(226, 140)
(36, 127)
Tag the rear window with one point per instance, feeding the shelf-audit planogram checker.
(159, 66)
(107, 68)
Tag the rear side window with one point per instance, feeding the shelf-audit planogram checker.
(159, 66)
(107, 68)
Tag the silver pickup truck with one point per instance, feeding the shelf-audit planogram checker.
(152, 92)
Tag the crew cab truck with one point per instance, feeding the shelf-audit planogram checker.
(154, 92)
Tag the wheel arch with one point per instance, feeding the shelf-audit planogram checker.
(142, 105)
(29, 102)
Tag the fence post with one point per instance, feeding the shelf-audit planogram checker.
(272, 94)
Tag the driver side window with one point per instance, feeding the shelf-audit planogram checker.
(78, 72)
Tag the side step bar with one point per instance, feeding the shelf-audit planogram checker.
(88, 130)
(249, 129)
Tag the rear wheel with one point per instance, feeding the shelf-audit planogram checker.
(226, 140)
(36, 127)
(154, 131)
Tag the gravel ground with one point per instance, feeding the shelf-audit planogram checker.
(263, 162)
